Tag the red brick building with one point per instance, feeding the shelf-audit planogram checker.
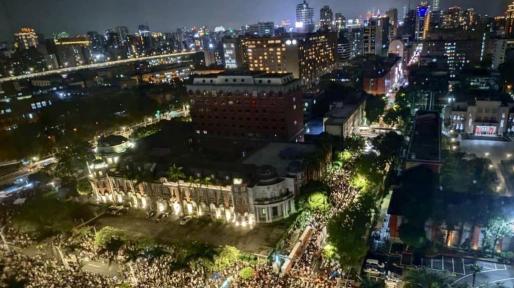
(255, 105)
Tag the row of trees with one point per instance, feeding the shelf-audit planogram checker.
(365, 172)
(195, 255)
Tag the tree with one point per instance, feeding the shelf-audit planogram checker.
(375, 107)
(475, 269)
(370, 283)
(417, 196)
(354, 144)
(413, 235)
(371, 168)
(84, 187)
(426, 279)
(247, 273)
(347, 231)
(318, 201)
(226, 257)
(467, 174)
(45, 215)
(175, 173)
(389, 146)
(107, 233)
(497, 229)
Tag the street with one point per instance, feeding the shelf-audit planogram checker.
(491, 273)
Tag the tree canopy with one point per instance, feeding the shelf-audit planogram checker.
(347, 231)
(375, 107)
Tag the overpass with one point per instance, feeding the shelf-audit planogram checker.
(93, 66)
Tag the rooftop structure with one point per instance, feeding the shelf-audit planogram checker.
(425, 143)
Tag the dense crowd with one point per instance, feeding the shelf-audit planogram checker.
(309, 271)
(18, 270)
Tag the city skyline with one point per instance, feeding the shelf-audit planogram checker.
(166, 16)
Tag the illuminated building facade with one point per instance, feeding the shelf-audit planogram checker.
(261, 29)
(480, 118)
(253, 105)
(509, 19)
(326, 18)
(376, 36)
(304, 18)
(232, 53)
(380, 76)
(70, 52)
(261, 190)
(307, 58)
(339, 22)
(422, 13)
(26, 38)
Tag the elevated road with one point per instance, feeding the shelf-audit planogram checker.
(93, 66)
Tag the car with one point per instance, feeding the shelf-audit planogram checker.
(184, 220)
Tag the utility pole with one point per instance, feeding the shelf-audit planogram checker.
(6, 245)
(61, 255)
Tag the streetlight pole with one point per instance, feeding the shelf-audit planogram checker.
(6, 245)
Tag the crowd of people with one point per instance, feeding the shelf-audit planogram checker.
(18, 270)
(309, 270)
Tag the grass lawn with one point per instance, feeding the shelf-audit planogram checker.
(259, 240)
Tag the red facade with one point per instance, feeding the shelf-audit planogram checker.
(245, 114)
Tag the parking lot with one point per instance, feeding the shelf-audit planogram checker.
(460, 266)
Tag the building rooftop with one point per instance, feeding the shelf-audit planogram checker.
(338, 116)
(242, 78)
(426, 137)
(221, 159)
(284, 157)
(111, 140)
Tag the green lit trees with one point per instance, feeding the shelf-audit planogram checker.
(497, 229)
(347, 231)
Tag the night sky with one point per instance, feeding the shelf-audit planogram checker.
(79, 16)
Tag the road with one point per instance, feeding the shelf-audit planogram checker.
(93, 66)
(460, 268)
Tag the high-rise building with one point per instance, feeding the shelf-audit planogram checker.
(436, 5)
(343, 49)
(304, 18)
(376, 36)
(123, 32)
(456, 18)
(261, 29)
(256, 105)
(232, 53)
(326, 18)
(339, 22)
(144, 30)
(307, 58)
(452, 18)
(71, 51)
(26, 38)
(392, 14)
(509, 17)
(422, 13)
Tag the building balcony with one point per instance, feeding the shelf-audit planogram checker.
(273, 200)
